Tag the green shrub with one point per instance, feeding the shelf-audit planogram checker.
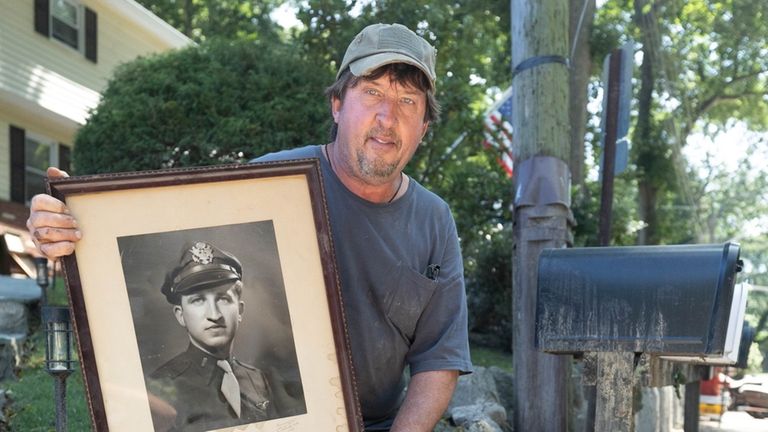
(219, 102)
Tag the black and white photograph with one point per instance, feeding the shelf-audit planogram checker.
(208, 299)
(213, 326)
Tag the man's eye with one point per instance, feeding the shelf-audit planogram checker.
(408, 101)
(196, 300)
(225, 299)
(372, 92)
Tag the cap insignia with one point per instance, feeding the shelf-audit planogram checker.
(202, 253)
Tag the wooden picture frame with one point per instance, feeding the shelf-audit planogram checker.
(136, 229)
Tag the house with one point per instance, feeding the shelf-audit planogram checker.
(56, 57)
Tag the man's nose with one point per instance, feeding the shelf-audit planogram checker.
(212, 311)
(387, 112)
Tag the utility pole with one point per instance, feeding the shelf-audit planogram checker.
(542, 215)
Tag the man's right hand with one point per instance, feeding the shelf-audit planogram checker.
(52, 227)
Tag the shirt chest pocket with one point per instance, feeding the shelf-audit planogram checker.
(409, 295)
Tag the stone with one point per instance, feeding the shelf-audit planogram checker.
(3, 402)
(8, 361)
(15, 294)
(477, 387)
(505, 388)
(484, 426)
(13, 320)
(464, 415)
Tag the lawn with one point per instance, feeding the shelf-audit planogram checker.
(30, 404)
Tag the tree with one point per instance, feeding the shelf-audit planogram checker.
(222, 101)
(203, 19)
(701, 67)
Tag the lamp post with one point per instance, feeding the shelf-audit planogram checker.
(58, 357)
(41, 266)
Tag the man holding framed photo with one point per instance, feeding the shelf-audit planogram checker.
(396, 244)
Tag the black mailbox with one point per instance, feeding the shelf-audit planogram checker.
(665, 300)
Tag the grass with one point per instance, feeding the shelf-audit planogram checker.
(488, 357)
(31, 397)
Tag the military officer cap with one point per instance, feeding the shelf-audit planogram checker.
(201, 266)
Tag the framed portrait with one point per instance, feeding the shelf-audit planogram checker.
(208, 299)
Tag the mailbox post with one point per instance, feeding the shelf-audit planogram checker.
(615, 304)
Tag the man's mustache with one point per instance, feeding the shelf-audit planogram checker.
(379, 132)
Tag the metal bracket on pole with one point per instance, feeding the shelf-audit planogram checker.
(536, 186)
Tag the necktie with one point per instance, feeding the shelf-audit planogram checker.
(229, 386)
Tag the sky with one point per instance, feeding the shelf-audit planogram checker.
(285, 15)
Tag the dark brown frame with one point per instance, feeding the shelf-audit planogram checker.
(63, 188)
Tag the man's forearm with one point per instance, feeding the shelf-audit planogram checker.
(426, 400)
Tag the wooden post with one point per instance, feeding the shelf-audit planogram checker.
(691, 407)
(615, 382)
(541, 127)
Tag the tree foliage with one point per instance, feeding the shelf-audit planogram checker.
(222, 101)
(203, 19)
(702, 65)
(703, 70)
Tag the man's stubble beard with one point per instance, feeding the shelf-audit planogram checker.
(375, 169)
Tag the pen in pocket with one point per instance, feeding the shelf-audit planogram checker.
(432, 271)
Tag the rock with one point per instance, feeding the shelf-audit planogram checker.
(13, 320)
(444, 426)
(9, 359)
(15, 294)
(477, 387)
(505, 388)
(471, 413)
(3, 403)
(484, 426)
(482, 417)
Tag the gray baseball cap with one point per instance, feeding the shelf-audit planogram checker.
(381, 44)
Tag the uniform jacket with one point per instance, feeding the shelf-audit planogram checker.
(191, 383)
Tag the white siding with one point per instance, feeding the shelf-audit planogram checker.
(47, 87)
(57, 77)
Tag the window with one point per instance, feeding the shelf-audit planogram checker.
(38, 156)
(65, 23)
(70, 23)
(31, 155)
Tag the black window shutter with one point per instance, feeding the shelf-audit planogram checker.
(42, 17)
(91, 32)
(64, 158)
(18, 164)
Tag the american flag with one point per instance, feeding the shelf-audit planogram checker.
(498, 131)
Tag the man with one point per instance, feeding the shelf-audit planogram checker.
(207, 387)
(396, 244)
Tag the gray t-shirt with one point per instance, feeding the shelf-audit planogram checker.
(397, 316)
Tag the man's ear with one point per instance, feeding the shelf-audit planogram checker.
(240, 307)
(335, 109)
(424, 130)
(179, 316)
